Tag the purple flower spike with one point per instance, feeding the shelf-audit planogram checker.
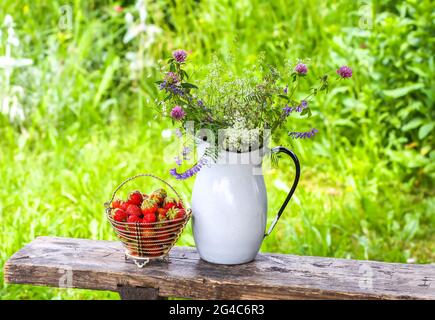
(173, 172)
(176, 90)
(162, 85)
(190, 172)
(301, 69)
(303, 135)
(286, 89)
(287, 110)
(344, 72)
(179, 55)
(177, 113)
(172, 88)
(172, 77)
(302, 106)
(171, 84)
(178, 133)
(186, 151)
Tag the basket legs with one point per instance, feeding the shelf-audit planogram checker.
(142, 261)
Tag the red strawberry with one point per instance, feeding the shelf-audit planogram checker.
(169, 202)
(117, 203)
(180, 213)
(135, 198)
(134, 210)
(149, 218)
(124, 205)
(120, 215)
(161, 214)
(133, 218)
(180, 205)
(149, 207)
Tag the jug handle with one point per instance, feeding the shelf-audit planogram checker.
(293, 188)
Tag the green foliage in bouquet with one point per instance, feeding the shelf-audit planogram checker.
(244, 106)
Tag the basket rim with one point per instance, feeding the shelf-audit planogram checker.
(148, 224)
(109, 203)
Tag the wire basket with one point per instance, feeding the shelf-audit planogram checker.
(146, 241)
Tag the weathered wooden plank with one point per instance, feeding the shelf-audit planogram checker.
(130, 293)
(92, 264)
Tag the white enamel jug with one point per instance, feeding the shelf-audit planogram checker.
(229, 206)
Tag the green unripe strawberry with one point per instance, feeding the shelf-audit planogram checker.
(158, 195)
(175, 213)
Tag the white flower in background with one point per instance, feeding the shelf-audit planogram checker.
(163, 106)
(6, 61)
(146, 34)
(12, 37)
(133, 30)
(167, 133)
(140, 6)
(11, 95)
(11, 105)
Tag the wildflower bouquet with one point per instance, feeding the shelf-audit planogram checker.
(241, 111)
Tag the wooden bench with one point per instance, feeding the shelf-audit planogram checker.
(100, 265)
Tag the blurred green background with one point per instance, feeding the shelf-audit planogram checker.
(366, 190)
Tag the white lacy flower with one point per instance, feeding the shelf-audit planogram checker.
(164, 108)
(241, 139)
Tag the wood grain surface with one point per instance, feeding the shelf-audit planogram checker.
(96, 264)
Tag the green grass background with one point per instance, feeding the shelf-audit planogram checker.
(366, 190)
